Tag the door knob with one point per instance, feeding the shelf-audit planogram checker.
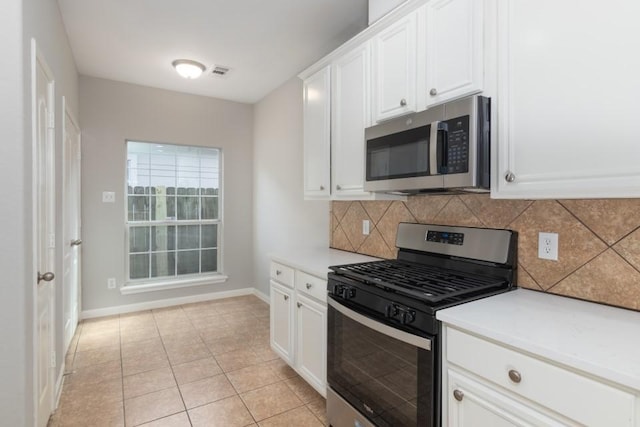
(47, 277)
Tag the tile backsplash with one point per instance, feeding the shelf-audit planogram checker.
(599, 240)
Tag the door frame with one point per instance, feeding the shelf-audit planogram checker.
(37, 60)
(67, 113)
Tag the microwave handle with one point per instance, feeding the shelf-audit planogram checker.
(438, 148)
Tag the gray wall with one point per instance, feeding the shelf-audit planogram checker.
(282, 218)
(21, 20)
(113, 112)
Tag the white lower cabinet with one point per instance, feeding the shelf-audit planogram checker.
(311, 336)
(299, 323)
(282, 321)
(488, 384)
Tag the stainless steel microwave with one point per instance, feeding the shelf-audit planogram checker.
(444, 148)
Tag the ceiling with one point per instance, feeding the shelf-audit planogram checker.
(264, 43)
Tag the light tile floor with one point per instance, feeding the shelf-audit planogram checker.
(204, 364)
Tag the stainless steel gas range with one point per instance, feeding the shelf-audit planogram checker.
(383, 362)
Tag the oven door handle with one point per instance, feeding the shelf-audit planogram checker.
(403, 336)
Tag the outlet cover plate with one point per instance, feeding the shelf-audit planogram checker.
(111, 283)
(548, 246)
(108, 197)
(365, 227)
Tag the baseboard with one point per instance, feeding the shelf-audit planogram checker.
(59, 384)
(264, 297)
(129, 308)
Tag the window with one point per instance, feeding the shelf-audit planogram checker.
(173, 212)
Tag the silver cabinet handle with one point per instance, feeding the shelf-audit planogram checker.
(433, 92)
(309, 285)
(278, 272)
(321, 187)
(286, 297)
(515, 376)
(403, 102)
(509, 176)
(458, 395)
(338, 187)
(76, 242)
(299, 305)
(47, 277)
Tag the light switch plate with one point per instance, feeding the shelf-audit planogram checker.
(108, 197)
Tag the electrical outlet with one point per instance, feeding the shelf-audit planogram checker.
(108, 197)
(111, 283)
(548, 246)
(365, 227)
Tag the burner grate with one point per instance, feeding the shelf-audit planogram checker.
(427, 283)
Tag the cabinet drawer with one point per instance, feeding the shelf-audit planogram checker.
(282, 274)
(570, 394)
(311, 285)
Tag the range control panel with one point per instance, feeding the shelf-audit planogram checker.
(445, 237)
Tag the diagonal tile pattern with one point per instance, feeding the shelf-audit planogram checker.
(203, 364)
(590, 232)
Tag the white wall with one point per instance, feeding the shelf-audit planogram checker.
(379, 8)
(15, 292)
(282, 219)
(113, 112)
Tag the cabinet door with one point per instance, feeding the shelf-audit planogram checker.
(394, 55)
(454, 49)
(473, 404)
(311, 346)
(281, 327)
(317, 134)
(567, 100)
(350, 115)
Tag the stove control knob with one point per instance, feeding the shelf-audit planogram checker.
(349, 293)
(407, 317)
(391, 310)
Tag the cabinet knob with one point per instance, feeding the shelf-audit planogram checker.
(309, 285)
(47, 277)
(433, 92)
(403, 102)
(299, 305)
(458, 395)
(509, 176)
(338, 187)
(286, 297)
(322, 188)
(278, 272)
(515, 376)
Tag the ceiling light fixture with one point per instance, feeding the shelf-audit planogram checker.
(188, 69)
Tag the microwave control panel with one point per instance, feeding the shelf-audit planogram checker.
(457, 151)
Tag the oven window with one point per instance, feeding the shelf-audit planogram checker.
(401, 155)
(387, 380)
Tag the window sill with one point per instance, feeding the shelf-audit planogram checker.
(172, 284)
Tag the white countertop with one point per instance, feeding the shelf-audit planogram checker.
(597, 339)
(316, 261)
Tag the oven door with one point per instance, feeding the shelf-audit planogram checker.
(387, 375)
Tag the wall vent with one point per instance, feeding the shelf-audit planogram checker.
(220, 71)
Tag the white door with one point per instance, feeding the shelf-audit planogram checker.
(71, 230)
(311, 341)
(350, 115)
(43, 229)
(281, 322)
(317, 134)
(395, 53)
(454, 49)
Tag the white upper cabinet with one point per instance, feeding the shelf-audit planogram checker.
(317, 134)
(454, 50)
(394, 69)
(350, 115)
(567, 100)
